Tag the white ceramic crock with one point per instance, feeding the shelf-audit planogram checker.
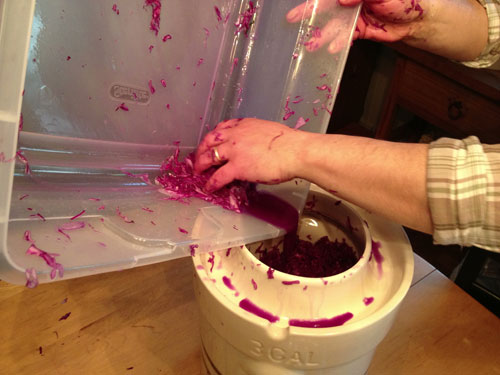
(253, 324)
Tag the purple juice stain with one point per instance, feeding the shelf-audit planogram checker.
(270, 273)
(275, 211)
(291, 282)
(192, 249)
(368, 300)
(322, 323)
(211, 260)
(254, 284)
(349, 225)
(227, 282)
(377, 255)
(252, 308)
(272, 209)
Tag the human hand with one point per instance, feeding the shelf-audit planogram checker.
(381, 20)
(250, 150)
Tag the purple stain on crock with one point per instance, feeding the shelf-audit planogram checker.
(291, 282)
(254, 284)
(211, 260)
(349, 225)
(227, 282)
(200, 267)
(377, 255)
(270, 273)
(192, 249)
(321, 323)
(368, 300)
(252, 308)
(228, 251)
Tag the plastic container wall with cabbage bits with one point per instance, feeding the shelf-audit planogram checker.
(105, 99)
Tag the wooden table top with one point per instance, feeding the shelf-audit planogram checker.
(145, 321)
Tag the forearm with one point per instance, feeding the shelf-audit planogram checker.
(383, 177)
(455, 29)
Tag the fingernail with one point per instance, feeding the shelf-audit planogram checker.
(210, 187)
(292, 15)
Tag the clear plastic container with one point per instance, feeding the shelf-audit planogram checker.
(87, 63)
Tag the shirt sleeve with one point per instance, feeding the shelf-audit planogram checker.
(491, 53)
(463, 191)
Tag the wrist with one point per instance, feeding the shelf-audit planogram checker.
(454, 29)
(305, 146)
(317, 151)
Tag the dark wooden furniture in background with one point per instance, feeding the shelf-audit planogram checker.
(460, 100)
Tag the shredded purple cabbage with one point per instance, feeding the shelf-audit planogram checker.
(125, 218)
(49, 258)
(122, 106)
(300, 123)
(27, 236)
(22, 158)
(70, 226)
(155, 17)
(73, 226)
(78, 215)
(246, 19)
(31, 278)
(192, 249)
(235, 62)
(288, 111)
(218, 13)
(39, 215)
(179, 182)
(151, 87)
(65, 316)
(320, 259)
